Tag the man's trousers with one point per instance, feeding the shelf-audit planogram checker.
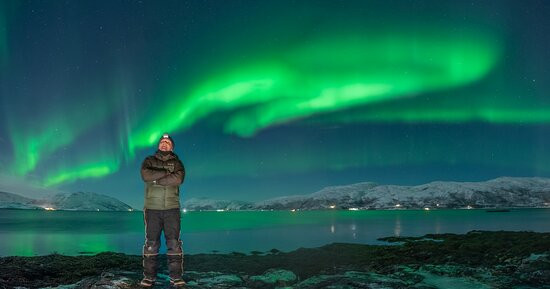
(169, 222)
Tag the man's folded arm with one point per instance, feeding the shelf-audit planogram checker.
(149, 173)
(175, 178)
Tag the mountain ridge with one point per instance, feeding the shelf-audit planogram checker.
(75, 201)
(498, 192)
(509, 192)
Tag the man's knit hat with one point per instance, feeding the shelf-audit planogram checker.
(166, 136)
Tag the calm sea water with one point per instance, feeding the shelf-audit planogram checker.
(30, 232)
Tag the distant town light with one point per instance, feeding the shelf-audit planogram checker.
(293, 210)
(220, 210)
(426, 209)
(184, 210)
(98, 210)
(129, 210)
(353, 209)
(469, 207)
(397, 205)
(49, 209)
(332, 206)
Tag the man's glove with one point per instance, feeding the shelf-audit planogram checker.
(169, 168)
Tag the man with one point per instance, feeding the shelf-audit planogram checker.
(162, 173)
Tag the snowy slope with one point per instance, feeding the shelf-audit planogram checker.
(86, 201)
(198, 204)
(14, 201)
(500, 192)
(79, 201)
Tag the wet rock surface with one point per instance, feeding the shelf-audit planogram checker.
(478, 259)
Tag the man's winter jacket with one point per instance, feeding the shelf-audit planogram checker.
(162, 173)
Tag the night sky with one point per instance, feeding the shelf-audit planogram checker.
(271, 98)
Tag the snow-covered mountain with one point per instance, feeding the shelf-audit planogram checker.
(79, 201)
(14, 201)
(87, 201)
(204, 204)
(499, 192)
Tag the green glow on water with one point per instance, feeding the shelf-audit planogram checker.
(238, 220)
(31, 232)
(28, 243)
(21, 244)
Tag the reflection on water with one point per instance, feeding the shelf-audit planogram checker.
(30, 232)
(437, 226)
(397, 229)
(28, 244)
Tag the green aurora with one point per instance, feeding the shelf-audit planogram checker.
(329, 76)
(411, 72)
(355, 71)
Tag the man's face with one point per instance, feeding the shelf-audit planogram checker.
(165, 145)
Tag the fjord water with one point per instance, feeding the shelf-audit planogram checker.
(34, 232)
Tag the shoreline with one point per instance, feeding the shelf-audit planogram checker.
(486, 259)
(298, 210)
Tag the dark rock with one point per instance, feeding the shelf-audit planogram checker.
(273, 278)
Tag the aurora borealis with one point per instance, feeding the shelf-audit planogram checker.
(271, 98)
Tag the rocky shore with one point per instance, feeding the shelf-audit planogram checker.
(478, 259)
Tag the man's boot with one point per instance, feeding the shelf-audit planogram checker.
(150, 263)
(174, 256)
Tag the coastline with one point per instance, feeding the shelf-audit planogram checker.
(296, 210)
(484, 259)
